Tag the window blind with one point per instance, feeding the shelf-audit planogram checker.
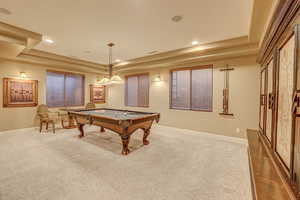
(137, 90)
(64, 89)
(192, 88)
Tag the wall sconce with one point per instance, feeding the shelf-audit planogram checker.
(23, 75)
(157, 78)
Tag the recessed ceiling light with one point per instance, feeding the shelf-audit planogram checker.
(5, 11)
(177, 18)
(195, 42)
(48, 40)
(117, 60)
(124, 63)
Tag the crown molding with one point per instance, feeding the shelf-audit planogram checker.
(213, 57)
(17, 44)
(53, 56)
(34, 53)
(62, 62)
(261, 12)
(237, 47)
(14, 40)
(208, 59)
(58, 67)
(21, 36)
(21, 44)
(201, 48)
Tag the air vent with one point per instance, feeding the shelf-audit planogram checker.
(177, 18)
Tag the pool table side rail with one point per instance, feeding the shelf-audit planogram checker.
(131, 111)
(134, 111)
(155, 116)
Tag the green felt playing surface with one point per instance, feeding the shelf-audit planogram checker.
(115, 114)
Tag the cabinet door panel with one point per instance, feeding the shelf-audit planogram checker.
(296, 114)
(270, 101)
(262, 101)
(285, 101)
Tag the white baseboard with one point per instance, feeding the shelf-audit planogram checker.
(212, 135)
(19, 130)
(186, 131)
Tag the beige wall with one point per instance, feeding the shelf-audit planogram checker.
(244, 100)
(15, 118)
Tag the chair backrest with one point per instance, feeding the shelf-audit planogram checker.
(90, 105)
(42, 111)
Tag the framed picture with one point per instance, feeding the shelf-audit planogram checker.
(97, 93)
(20, 93)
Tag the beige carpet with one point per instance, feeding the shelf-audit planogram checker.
(177, 165)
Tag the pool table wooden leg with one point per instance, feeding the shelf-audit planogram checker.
(102, 129)
(80, 128)
(125, 141)
(146, 134)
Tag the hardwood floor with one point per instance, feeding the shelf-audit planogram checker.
(265, 180)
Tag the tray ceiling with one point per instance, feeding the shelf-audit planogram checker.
(82, 28)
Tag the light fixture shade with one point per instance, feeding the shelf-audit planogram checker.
(104, 81)
(23, 75)
(116, 79)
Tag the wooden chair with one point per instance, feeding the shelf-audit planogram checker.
(90, 105)
(64, 117)
(47, 117)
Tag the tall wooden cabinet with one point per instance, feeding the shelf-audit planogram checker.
(280, 92)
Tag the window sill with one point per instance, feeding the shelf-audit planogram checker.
(138, 106)
(182, 109)
(58, 107)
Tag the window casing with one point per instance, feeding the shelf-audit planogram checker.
(65, 89)
(192, 88)
(137, 90)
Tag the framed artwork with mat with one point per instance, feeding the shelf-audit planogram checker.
(20, 93)
(97, 93)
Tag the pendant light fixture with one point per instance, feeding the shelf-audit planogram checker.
(112, 79)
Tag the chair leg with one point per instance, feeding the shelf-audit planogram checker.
(53, 127)
(47, 123)
(41, 126)
(62, 123)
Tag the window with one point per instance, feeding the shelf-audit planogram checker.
(191, 88)
(137, 90)
(64, 89)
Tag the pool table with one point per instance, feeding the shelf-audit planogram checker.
(123, 122)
